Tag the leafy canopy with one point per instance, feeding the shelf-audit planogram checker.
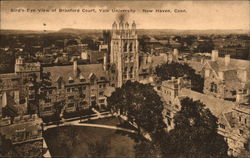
(168, 70)
(195, 133)
(141, 104)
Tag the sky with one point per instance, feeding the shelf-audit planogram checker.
(197, 15)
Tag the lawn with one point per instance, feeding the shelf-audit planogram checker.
(72, 141)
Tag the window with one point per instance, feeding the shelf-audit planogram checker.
(131, 69)
(104, 85)
(82, 80)
(68, 89)
(240, 118)
(71, 81)
(125, 47)
(70, 97)
(71, 105)
(82, 96)
(83, 103)
(100, 85)
(101, 93)
(245, 121)
(83, 87)
(102, 78)
(50, 91)
(101, 101)
(47, 108)
(246, 146)
(59, 85)
(241, 131)
(47, 100)
(80, 89)
(32, 96)
(233, 92)
(131, 47)
(222, 126)
(213, 87)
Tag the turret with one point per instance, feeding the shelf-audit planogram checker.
(121, 25)
(133, 28)
(114, 26)
(126, 26)
(19, 64)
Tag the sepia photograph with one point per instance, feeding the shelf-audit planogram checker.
(124, 79)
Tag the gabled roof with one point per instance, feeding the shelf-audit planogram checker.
(67, 71)
(215, 105)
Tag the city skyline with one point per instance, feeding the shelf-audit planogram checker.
(205, 15)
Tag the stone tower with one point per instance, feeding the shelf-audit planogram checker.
(124, 52)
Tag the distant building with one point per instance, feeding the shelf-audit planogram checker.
(238, 52)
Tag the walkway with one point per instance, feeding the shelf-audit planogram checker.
(78, 123)
(105, 126)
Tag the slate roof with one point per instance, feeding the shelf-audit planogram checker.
(235, 64)
(215, 105)
(65, 72)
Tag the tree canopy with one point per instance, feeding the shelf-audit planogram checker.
(141, 104)
(168, 70)
(195, 133)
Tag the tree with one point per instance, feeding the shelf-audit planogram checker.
(141, 104)
(6, 146)
(168, 70)
(195, 133)
(147, 149)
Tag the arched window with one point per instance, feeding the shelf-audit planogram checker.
(131, 47)
(126, 69)
(131, 69)
(125, 47)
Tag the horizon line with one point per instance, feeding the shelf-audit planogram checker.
(111, 29)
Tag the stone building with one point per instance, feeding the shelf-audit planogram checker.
(76, 86)
(233, 117)
(26, 128)
(124, 53)
(225, 76)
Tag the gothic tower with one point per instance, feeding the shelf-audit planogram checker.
(124, 52)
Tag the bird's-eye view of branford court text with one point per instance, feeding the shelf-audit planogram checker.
(124, 91)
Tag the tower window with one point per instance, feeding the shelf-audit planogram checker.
(131, 47)
(125, 47)
(131, 69)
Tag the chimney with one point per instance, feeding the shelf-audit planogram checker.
(227, 60)
(221, 75)
(105, 61)
(176, 53)
(16, 96)
(215, 55)
(4, 99)
(75, 68)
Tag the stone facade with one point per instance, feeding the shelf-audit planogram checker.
(224, 77)
(124, 53)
